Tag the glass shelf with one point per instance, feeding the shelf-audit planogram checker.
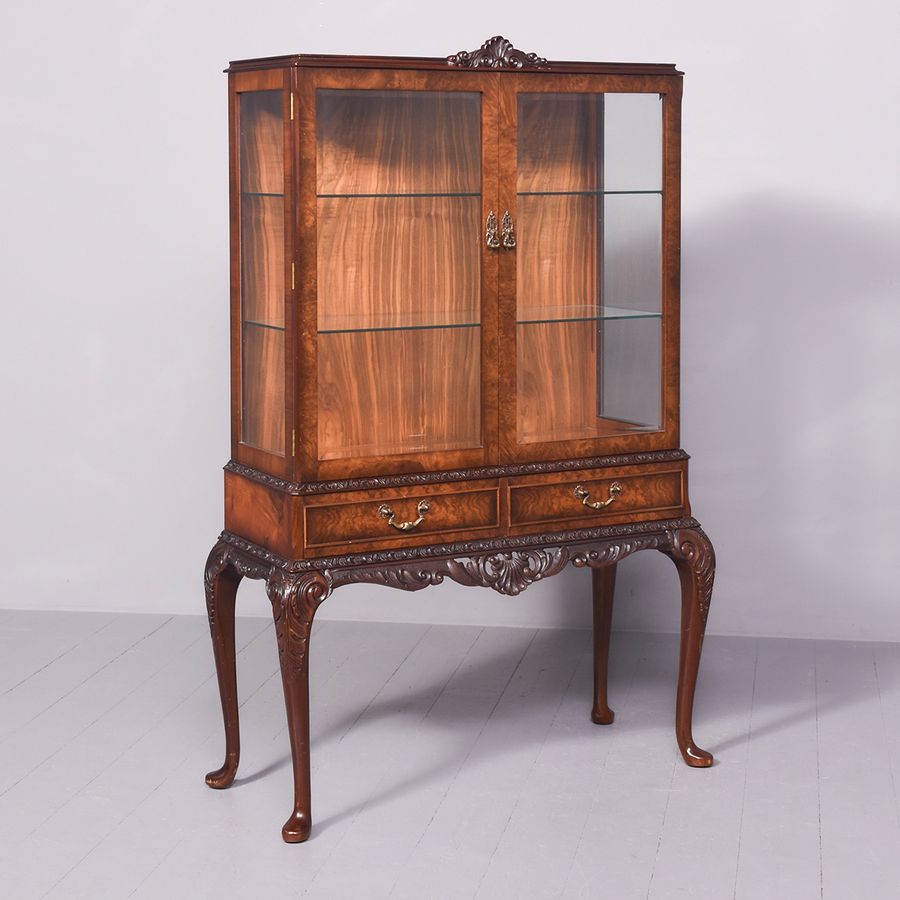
(403, 194)
(585, 193)
(418, 444)
(544, 315)
(333, 325)
(601, 427)
(262, 325)
(260, 194)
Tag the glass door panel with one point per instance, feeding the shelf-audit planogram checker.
(632, 142)
(588, 265)
(399, 262)
(261, 186)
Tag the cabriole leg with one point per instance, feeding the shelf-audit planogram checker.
(695, 560)
(604, 585)
(295, 599)
(221, 581)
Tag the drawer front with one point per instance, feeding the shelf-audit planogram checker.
(367, 519)
(627, 497)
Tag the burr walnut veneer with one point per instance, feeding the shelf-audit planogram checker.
(454, 344)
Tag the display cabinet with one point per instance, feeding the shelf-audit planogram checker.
(454, 326)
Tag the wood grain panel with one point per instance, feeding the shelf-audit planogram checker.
(261, 125)
(262, 389)
(378, 142)
(403, 391)
(671, 261)
(262, 260)
(655, 492)
(556, 377)
(355, 521)
(559, 142)
(396, 261)
(556, 260)
(259, 513)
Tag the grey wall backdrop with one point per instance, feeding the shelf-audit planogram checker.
(114, 287)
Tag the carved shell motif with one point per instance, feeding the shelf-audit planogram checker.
(496, 53)
(508, 573)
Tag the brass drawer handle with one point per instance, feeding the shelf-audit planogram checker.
(614, 490)
(491, 234)
(509, 234)
(387, 513)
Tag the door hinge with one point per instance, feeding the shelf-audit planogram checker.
(293, 442)
(292, 106)
(293, 277)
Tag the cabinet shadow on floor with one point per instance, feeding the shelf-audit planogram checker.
(642, 690)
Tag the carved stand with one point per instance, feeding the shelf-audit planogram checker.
(509, 566)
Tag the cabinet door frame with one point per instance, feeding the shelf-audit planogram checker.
(247, 454)
(669, 87)
(308, 466)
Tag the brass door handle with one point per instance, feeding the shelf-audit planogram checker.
(584, 496)
(387, 513)
(509, 234)
(491, 234)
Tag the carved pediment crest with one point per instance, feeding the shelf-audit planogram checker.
(496, 53)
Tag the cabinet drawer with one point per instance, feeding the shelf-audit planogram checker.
(448, 511)
(634, 496)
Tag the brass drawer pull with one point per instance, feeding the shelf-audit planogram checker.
(509, 234)
(387, 513)
(614, 490)
(491, 234)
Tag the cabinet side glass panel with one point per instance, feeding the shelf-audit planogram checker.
(588, 265)
(261, 204)
(399, 271)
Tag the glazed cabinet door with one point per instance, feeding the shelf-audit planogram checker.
(589, 273)
(398, 301)
(261, 210)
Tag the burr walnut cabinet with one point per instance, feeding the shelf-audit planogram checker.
(454, 344)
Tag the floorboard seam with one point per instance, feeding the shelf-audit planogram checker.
(534, 761)
(89, 724)
(144, 799)
(635, 665)
(84, 681)
(886, 737)
(387, 681)
(737, 865)
(818, 767)
(56, 659)
(474, 743)
(365, 805)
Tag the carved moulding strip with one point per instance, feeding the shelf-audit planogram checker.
(416, 478)
(459, 548)
(507, 565)
(497, 53)
(508, 572)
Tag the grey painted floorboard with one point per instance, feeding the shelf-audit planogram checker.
(699, 839)
(859, 833)
(448, 762)
(29, 641)
(778, 854)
